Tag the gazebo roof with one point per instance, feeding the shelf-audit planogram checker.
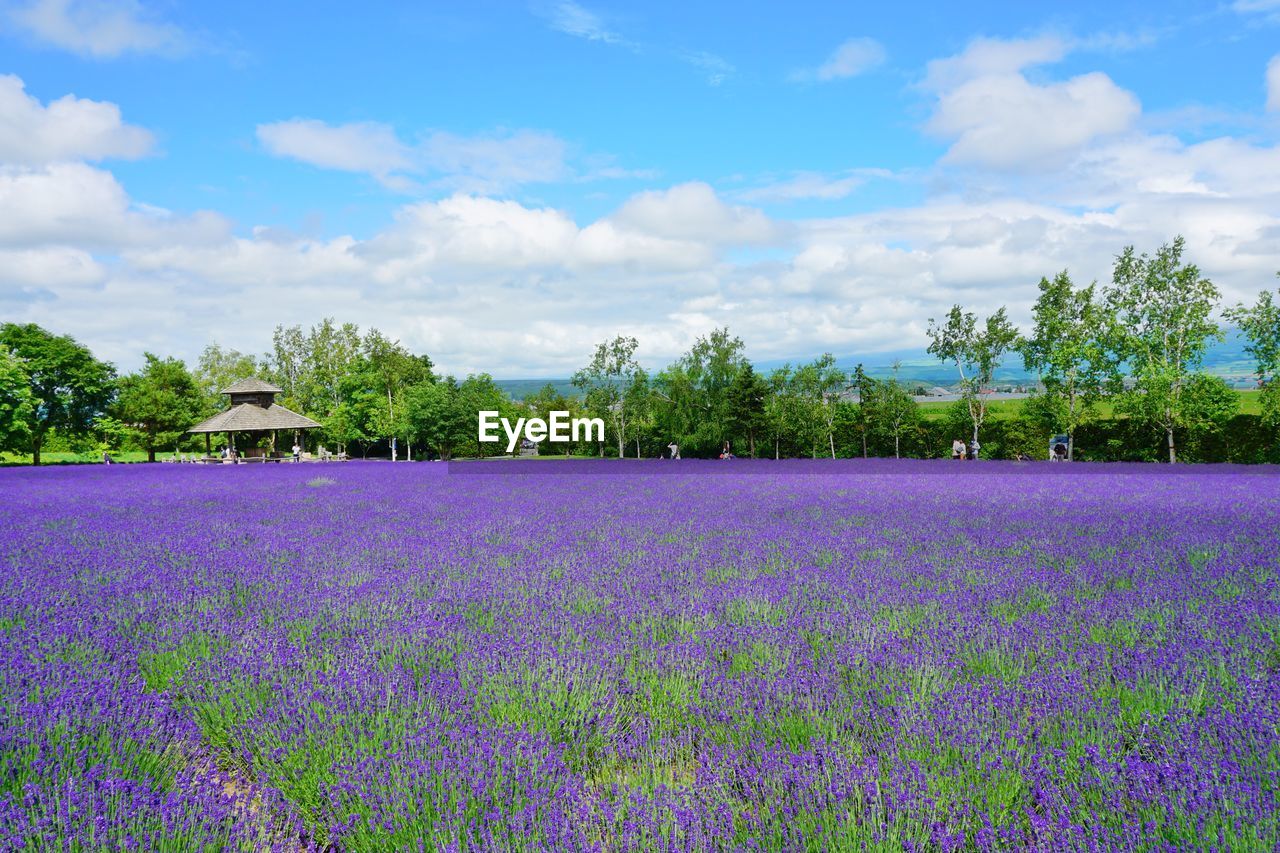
(252, 385)
(247, 417)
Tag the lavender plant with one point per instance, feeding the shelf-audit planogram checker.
(640, 656)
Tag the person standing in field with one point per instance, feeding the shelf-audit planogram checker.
(297, 452)
(675, 450)
(974, 447)
(957, 449)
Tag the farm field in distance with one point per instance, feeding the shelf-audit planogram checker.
(689, 655)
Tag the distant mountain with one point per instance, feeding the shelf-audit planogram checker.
(1226, 359)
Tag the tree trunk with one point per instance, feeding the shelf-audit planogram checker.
(637, 448)
(775, 449)
(35, 450)
(864, 446)
(896, 454)
(831, 438)
(1071, 445)
(151, 453)
(1173, 454)
(751, 440)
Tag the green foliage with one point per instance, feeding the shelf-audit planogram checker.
(1260, 324)
(747, 395)
(692, 396)
(891, 413)
(158, 405)
(614, 386)
(67, 388)
(16, 402)
(1160, 326)
(1067, 347)
(975, 351)
(817, 387)
(435, 417)
(219, 368)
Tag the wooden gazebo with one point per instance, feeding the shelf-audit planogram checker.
(253, 409)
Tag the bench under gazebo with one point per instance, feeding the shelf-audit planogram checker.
(253, 410)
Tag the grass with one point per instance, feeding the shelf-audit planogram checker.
(60, 457)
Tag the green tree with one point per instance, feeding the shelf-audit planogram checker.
(789, 412)
(1067, 349)
(975, 351)
(862, 416)
(820, 384)
(1161, 324)
(479, 393)
(747, 396)
(16, 405)
(1260, 324)
(696, 391)
(330, 354)
(437, 418)
(605, 381)
(892, 411)
(69, 388)
(637, 399)
(159, 403)
(218, 368)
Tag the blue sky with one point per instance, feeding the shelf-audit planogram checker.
(501, 185)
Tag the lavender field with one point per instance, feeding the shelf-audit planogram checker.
(637, 656)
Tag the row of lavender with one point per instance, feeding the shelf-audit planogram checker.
(640, 656)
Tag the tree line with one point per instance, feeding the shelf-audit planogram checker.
(1136, 344)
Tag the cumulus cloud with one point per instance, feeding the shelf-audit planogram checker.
(520, 289)
(69, 128)
(98, 28)
(485, 163)
(855, 56)
(76, 205)
(694, 211)
(483, 283)
(997, 118)
(358, 147)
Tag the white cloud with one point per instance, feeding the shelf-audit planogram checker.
(487, 163)
(693, 211)
(717, 68)
(986, 57)
(570, 18)
(98, 28)
(1273, 84)
(812, 185)
(482, 283)
(999, 119)
(75, 205)
(855, 56)
(63, 268)
(358, 147)
(69, 128)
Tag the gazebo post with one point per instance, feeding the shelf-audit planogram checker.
(208, 446)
